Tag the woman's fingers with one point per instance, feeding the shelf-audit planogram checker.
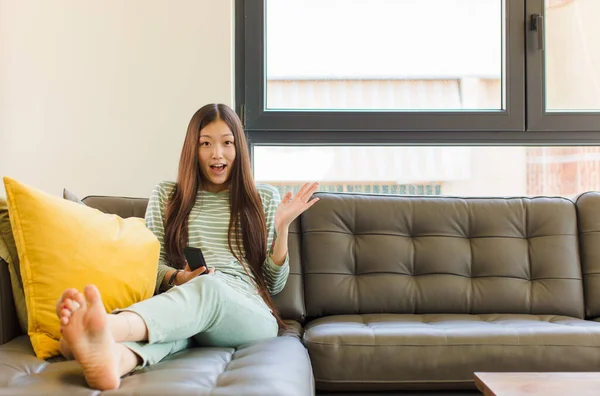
(307, 205)
(188, 274)
(313, 189)
(306, 191)
(309, 192)
(199, 271)
(311, 202)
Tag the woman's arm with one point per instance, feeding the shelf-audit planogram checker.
(279, 216)
(279, 252)
(155, 220)
(276, 266)
(155, 223)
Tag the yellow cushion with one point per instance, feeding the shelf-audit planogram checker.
(62, 244)
(8, 252)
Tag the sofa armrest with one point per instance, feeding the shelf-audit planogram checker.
(9, 324)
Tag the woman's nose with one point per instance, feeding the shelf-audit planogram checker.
(217, 152)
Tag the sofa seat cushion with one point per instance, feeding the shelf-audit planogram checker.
(279, 366)
(396, 351)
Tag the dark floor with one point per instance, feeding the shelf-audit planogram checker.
(406, 393)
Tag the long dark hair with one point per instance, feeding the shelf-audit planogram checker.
(247, 225)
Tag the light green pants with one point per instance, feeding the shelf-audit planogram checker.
(205, 309)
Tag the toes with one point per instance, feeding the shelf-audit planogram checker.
(72, 305)
(92, 295)
(69, 293)
(65, 315)
(79, 299)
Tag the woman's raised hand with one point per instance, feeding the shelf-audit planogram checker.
(291, 207)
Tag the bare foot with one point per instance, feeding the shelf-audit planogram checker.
(88, 337)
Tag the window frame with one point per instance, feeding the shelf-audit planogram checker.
(522, 122)
(538, 119)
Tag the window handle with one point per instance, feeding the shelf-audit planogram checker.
(537, 25)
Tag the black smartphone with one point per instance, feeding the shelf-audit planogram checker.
(194, 257)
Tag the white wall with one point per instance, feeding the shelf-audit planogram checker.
(96, 96)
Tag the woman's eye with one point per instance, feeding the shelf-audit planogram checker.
(228, 143)
(204, 143)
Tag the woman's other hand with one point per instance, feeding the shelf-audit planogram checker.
(187, 274)
(292, 207)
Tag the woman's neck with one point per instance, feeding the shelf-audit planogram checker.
(215, 190)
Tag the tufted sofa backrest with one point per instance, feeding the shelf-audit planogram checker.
(392, 254)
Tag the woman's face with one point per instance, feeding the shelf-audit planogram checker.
(216, 155)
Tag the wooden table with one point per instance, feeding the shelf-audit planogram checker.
(548, 384)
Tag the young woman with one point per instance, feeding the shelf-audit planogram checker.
(242, 230)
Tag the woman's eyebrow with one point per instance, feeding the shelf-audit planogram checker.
(223, 135)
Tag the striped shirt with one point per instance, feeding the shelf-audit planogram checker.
(208, 227)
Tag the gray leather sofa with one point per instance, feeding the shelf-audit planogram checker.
(391, 294)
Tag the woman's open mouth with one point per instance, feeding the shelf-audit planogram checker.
(218, 169)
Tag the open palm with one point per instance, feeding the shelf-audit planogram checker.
(292, 207)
